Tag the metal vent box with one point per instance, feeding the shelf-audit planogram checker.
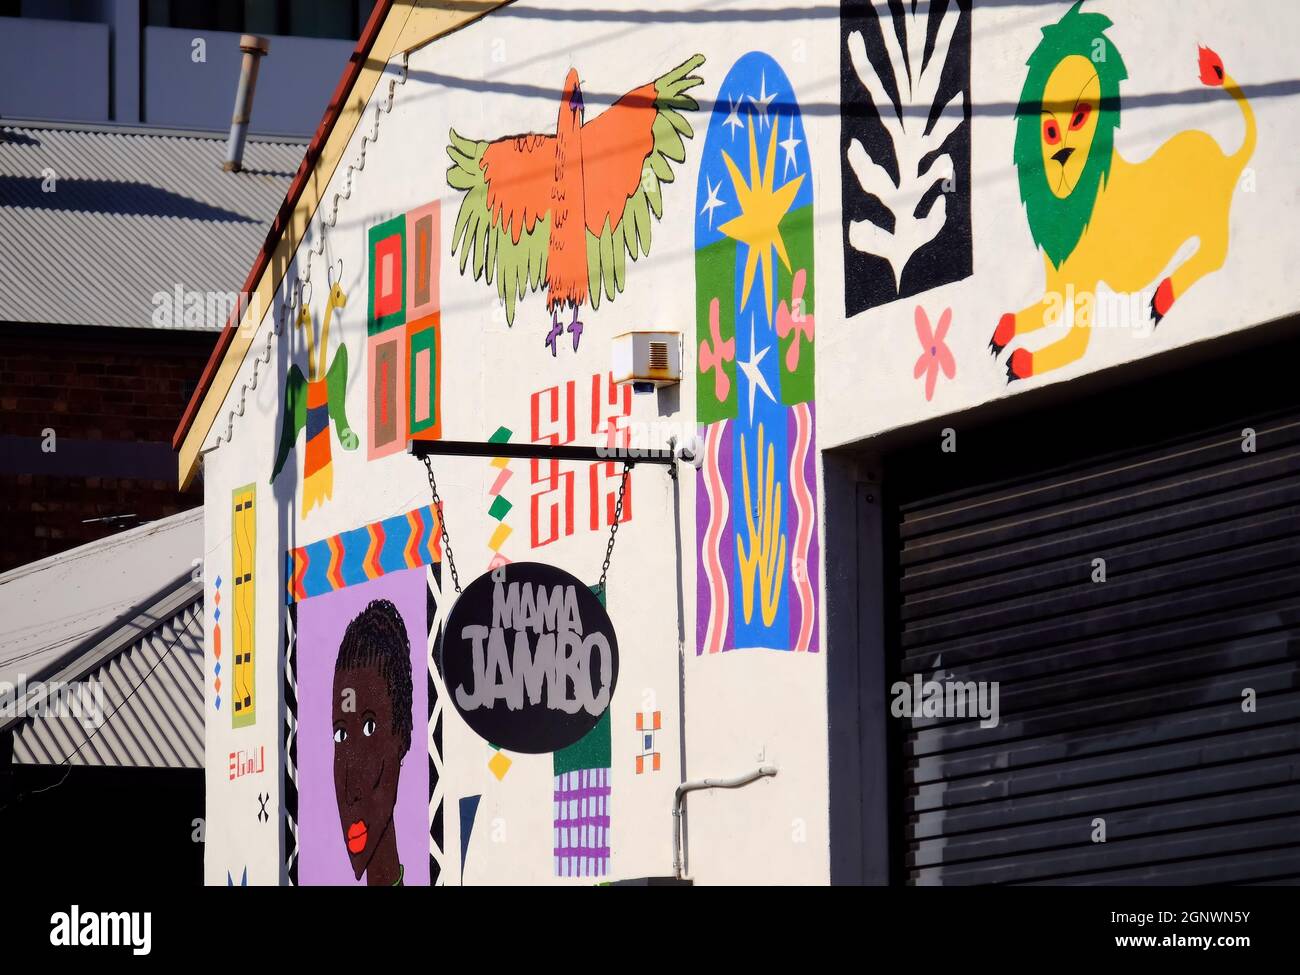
(648, 360)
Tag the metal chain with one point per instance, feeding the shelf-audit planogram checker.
(442, 524)
(446, 541)
(613, 528)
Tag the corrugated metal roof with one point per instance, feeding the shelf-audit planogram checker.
(51, 610)
(148, 712)
(147, 210)
(123, 613)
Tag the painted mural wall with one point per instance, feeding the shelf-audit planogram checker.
(855, 219)
(1125, 195)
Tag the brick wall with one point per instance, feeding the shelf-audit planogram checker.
(112, 398)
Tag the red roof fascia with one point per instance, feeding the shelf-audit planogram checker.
(335, 108)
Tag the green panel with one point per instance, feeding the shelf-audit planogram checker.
(797, 231)
(592, 750)
(715, 277)
(500, 507)
(426, 338)
(397, 225)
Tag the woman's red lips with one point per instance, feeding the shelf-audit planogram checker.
(357, 834)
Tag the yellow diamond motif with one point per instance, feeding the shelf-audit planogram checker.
(499, 536)
(499, 765)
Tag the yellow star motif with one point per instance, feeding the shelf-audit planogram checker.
(761, 210)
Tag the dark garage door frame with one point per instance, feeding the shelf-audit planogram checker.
(1236, 377)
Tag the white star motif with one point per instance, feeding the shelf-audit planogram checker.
(789, 145)
(712, 203)
(762, 101)
(752, 372)
(733, 120)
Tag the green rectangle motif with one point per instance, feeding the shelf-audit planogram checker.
(794, 316)
(386, 259)
(715, 332)
(422, 379)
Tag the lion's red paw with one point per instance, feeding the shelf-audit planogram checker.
(1020, 365)
(1004, 333)
(1162, 301)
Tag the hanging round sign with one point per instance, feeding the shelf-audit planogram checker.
(529, 657)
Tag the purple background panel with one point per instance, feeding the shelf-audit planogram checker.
(323, 858)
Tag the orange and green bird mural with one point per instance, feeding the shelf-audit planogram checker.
(564, 212)
(316, 402)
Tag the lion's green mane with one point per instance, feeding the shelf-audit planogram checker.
(1057, 224)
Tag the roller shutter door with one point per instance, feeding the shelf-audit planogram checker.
(1120, 700)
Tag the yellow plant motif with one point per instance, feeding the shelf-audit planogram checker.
(766, 540)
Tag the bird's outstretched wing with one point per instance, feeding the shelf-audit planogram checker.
(505, 214)
(627, 153)
(295, 416)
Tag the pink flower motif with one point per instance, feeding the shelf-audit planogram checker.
(935, 354)
(801, 323)
(720, 352)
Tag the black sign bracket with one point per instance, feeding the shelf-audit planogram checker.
(539, 451)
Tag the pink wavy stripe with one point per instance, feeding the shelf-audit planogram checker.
(718, 510)
(805, 506)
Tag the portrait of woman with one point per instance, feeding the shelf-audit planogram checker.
(372, 734)
(360, 679)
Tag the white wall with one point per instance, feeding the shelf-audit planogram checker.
(744, 708)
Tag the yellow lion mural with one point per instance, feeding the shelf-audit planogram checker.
(1097, 217)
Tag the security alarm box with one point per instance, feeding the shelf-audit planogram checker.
(647, 360)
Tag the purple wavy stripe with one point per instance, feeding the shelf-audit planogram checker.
(702, 601)
(808, 475)
(726, 542)
(814, 550)
(726, 449)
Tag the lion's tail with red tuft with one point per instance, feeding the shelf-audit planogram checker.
(1214, 75)
(1211, 66)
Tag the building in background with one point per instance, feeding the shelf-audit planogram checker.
(122, 251)
(117, 225)
(101, 708)
(172, 63)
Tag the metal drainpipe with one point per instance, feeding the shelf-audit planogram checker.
(254, 48)
(685, 787)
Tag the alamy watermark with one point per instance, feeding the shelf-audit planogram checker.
(185, 308)
(1100, 309)
(919, 698)
(637, 439)
(81, 700)
(75, 928)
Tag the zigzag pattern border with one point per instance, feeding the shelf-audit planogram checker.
(289, 806)
(405, 541)
(437, 788)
